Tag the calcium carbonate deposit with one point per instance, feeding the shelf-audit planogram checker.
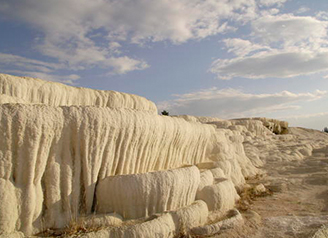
(105, 161)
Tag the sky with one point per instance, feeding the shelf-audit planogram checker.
(218, 58)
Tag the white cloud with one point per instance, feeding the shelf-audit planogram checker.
(321, 15)
(287, 46)
(23, 66)
(301, 116)
(269, 3)
(288, 29)
(27, 63)
(277, 64)
(269, 12)
(312, 120)
(122, 65)
(242, 47)
(114, 47)
(75, 30)
(231, 103)
(302, 10)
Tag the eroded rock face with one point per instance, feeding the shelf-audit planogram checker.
(274, 125)
(214, 228)
(219, 196)
(191, 216)
(71, 152)
(141, 195)
(36, 91)
(256, 125)
(206, 179)
(52, 157)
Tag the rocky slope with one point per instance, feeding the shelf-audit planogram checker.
(105, 163)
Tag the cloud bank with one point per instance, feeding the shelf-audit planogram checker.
(82, 34)
(279, 46)
(232, 103)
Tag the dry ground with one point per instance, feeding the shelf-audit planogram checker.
(298, 206)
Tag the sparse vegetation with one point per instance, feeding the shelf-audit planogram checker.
(248, 195)
(165, 113)
(74, 228)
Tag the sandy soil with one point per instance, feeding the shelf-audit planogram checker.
(298, 206)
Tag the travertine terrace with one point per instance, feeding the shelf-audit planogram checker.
(102, 158)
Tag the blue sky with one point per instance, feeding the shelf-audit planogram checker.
(223, 58)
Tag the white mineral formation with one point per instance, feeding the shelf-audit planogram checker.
(227, 152)
(206, 179)
(9, 99)
(217, 173)
(53, 157)
(37, 91)
(219, 196)
(72, 154)
(160, 227)
(100, 221)
(257, 125)
(214, 228)
(170, 224)
(141, 195)
(191, 216)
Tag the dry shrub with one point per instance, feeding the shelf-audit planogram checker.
(248, 195)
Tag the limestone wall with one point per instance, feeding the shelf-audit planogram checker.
(68, 152)
(141, 195)
(52, 157)
(37, 91)
(257, 125)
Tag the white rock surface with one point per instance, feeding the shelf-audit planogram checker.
(9, 99)
(163, 226)
(191, 216)
(141, 195)
(227, 151)
(52, 157)
(206, 179)
(218, 173)
(60, 142)
(221, 196)
(167, 225)
(274, 125)
(37, 91)
(257, 125)
(214, 228)
(96, 221)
